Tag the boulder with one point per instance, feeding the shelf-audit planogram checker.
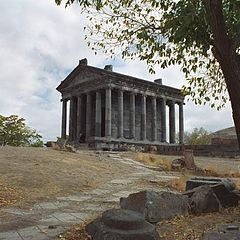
(156, 206)
(226, 197)
(120, 224)
(204, 200)
(223, 188)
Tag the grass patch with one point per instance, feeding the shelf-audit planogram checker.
(154, 160)
(178, 184)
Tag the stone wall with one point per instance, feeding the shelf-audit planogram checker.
(214, 150)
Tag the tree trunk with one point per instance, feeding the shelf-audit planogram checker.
(224, 50)
(231, 72)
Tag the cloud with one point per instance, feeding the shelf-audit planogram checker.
(41, 43)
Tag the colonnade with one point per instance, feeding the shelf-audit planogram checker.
(76, 122)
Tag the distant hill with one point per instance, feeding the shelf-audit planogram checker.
(227, 133)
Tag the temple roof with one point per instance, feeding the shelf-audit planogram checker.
(84, 73)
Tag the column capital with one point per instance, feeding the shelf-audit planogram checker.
(180, 103)
(153, 97)
(133, 93)
(120, 90)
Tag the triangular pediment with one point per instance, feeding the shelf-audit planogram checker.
(81, 74)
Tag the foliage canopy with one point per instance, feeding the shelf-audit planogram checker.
(14, 132)
(165, 33)
(199, 136)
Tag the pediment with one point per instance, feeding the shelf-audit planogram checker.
(77, 77)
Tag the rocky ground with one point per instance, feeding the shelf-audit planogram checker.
(44, 191)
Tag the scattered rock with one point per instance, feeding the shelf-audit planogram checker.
(50, 144)
(153, 149)
(178, 164)
(70, 148)
(61, 142)
(120, 224)
(204, 200)
(156, 206)
(52, 227)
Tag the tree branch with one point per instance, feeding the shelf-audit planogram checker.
(236, 42)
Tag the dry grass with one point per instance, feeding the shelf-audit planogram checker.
(178, 184)
(9, 195)
(180, 228)
(192, 227)
(75, 233)
(214, 172)
(166, 164)
(154, 160)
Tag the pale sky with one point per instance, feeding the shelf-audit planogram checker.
(40, 43)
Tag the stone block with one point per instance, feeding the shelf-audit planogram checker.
(189, 159)
(156, 206)
(225, 232)
(120, 224)
(204, 200)
(199, 181)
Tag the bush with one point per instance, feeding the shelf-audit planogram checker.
(14, 132)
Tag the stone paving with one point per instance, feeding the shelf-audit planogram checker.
(46, 220)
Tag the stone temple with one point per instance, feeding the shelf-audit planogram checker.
(111, 110)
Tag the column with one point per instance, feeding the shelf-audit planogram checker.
(163, 120)
(79, 117)
(143, 118)
(172, 128)
(98, 120)
(181, 123)
(108, 113)
(132, 115)
(120, 113)
(74, 123)
(64, 118)
(71, 116)
(88, 116)
(154, 119)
